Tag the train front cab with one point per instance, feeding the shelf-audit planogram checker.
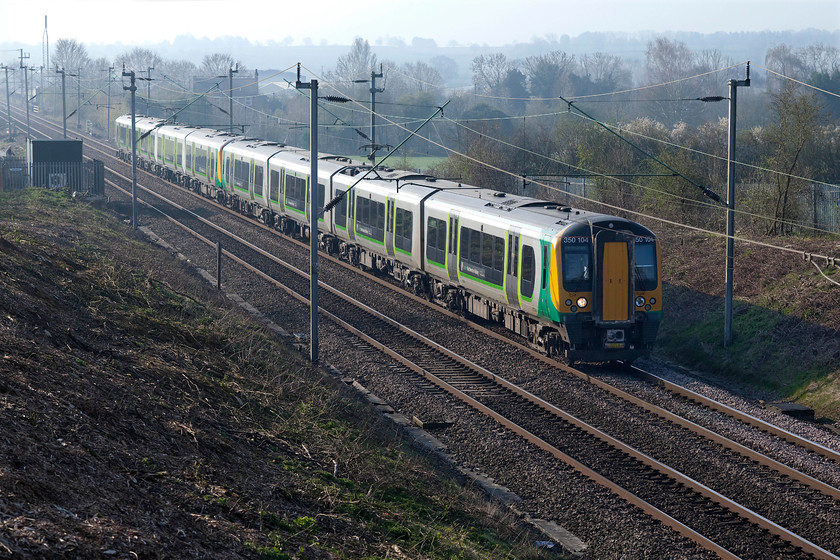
(606, 289)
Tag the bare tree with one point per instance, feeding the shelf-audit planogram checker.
(70, 54)
(446, 67)
(548, 74)
(797, 122)
(668, 63)
(784, 60)
(178, 71)
(607, 71)
(355, 65)
(821, 58)
(424, 76)
(490, 71)
(219, 64)
(138, 59)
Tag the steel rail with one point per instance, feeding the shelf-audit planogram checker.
(742, 416)
(677, 389)
(624, 494)
(651, 462)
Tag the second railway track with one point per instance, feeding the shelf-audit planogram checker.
(782, 498)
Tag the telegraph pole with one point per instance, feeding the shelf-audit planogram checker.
(26, 90)
(45, 47)
(133, 89)
(231, 72)
(8, 101)
(373, 91)
(149, 87)
(79, 99)
(110, 72)
(730, 206)
(63, 100)
(312, 86)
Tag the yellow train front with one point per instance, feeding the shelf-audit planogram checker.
(606, 290)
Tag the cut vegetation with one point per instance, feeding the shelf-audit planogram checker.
(143, 415)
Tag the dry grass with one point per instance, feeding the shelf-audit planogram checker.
(785, 318)
(143, 416)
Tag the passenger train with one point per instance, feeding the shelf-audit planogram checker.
(580, 285)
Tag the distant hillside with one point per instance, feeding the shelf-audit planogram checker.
(320, 58)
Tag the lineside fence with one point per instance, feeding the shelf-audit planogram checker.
(826, 207)
(86, 177)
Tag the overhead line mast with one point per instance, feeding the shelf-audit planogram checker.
(45, 47)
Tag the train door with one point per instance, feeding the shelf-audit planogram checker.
(452, 247)
(614, 275)
(351, 215)
(390, 216)
(512, 269)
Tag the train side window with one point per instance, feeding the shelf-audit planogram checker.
(322, 190)
(498, 256)
(370, 219)
(471, 243)
(436, 241)
(201, 162)
(295, 192)
(258, 180)
(340, 210)
(482, 255)
(403, 230)
(645, 271)
(274, 185)
(240, 174)
(529, 266)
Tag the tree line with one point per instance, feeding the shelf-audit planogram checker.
(526, 117)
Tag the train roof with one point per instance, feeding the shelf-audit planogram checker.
(263, 148)
(444, 193)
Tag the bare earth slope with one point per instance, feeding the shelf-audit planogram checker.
(141, 415)
(786, 316)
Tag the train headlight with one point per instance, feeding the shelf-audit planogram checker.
(653, 301)
(568, 303)
(582, 302)
(640, 301)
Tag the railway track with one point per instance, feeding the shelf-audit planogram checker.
(683, 496)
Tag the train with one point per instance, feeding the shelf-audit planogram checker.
(579, 285)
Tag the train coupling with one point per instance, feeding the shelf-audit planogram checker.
(614, 338)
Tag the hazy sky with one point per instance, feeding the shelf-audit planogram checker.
(491, 22)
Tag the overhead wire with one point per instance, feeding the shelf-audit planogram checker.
(551, 187)
(620, 92)
(833, 94)
(721, 158)
(611, 206)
